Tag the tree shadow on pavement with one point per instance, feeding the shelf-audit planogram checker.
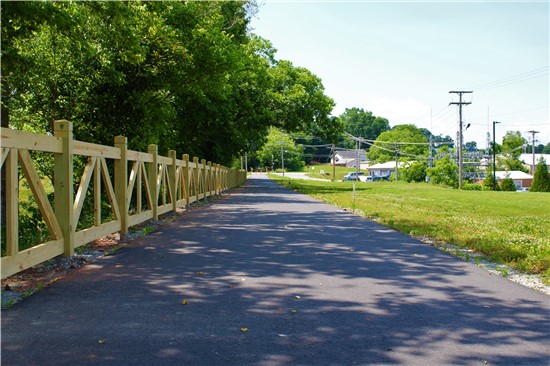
(267, 276)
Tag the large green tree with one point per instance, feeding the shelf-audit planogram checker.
(445, 171)
(188, 76)
(363, 124)
(280, 145)
(512, 143)
(408, 140)
(297, 98)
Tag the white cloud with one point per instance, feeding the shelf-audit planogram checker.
(400, 111)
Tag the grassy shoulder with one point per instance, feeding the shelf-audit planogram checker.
(508, 227)
(325, 171)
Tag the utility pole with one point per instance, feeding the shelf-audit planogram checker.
(460, 159)
(333, 162)
(430, 156)
(494, 158)
(396, 163)
(357, 162)
(533, 150)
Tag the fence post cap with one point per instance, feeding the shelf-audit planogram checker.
(121, 139)
(63, 125)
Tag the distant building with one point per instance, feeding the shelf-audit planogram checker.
(348, 157)
(521, 179)
(383, 170)
(527, 159)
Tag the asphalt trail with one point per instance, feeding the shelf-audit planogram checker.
(266, 276)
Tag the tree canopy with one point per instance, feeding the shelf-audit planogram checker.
(512, 143)
(279, 146)
(188, 76)
(445, 171)
(412, 144)
(364, 124)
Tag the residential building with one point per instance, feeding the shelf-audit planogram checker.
(521, 179)
(527, 159)
(383, 170)
(348, 157)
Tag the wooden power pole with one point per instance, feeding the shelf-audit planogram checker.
(533, 150)
(460, 158)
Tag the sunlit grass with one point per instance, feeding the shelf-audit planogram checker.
(509, 227)
(315, 171)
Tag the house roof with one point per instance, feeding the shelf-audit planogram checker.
(514, 174)
(350, 154)
(386, 165)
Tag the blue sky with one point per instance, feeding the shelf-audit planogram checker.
(401, 59)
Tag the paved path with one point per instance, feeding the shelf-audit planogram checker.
(313, 285)
(300, 175)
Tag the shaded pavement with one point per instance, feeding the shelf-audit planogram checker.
(267, 276)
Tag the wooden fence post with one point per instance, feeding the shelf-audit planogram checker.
(12, 208)
(121, 182)
(203, 176)
(173, 174)
(209, 176)
(153, 182)
(218, 177)
(197, 182)
(63, 184)
(187, 186)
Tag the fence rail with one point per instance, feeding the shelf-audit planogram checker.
(137, 186)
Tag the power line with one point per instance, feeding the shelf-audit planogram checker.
(536, 73)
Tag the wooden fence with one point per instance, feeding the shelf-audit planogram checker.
(154, 184)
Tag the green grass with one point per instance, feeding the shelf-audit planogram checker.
(509, 227)
(340, 171)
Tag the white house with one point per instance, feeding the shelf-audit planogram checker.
(521, 179)
(383, 169)
(348, 157)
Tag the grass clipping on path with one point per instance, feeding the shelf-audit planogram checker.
(511, 228)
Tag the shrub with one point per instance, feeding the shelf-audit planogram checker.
(414, 172)
(471, 187)
(489, 183)
(541, 181)
(507, 184)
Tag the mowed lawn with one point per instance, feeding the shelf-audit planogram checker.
(508, 227)
(327, 169)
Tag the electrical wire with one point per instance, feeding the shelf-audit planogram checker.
(536, 73)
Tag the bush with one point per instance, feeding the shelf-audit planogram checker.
(414, 172)
(471, 187)
(541, 181)
(508, 185)
(489, 183)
